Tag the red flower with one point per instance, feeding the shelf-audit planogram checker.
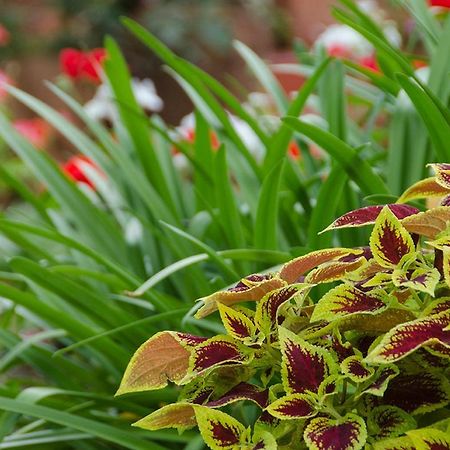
(36, 130)
(443, 3)
(82, 65)
(294, 151)
(4, 80)
(4, 36)
(339, 51)
(370, 62)
(73, 169)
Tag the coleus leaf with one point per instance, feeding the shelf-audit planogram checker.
(388, 422)
(355, 369)
(369, 214)
(446, 264)
(381, 380)
(442, 174)
(293, 270)
(409, 336)
(219, 430)
(426, 188)
(418, 392)
(379, 323)
(429, 223)
(303, 366)
(237, 324)
(342, 349)
(423, 279)
(267, 308)
(215, 352)
(348, 433)
(345, 300)
(429, 439)
(164, 357)
(251, 288)
(243, 391)
(293, 406)
(333, 271)
(176, 415)
(263, 440)
(389, 240)
(401, 443)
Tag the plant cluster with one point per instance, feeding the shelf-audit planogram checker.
(367, 363)
(113, 246)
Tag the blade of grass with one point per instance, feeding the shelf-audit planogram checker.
(95, 428)
(358, 170)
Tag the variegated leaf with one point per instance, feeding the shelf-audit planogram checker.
(237, 324)
(263, 440)
(293, 270)
(367, 271)
(164, 357)
(379, 323)
(442, 174)
(293, 406)
(355, 369)
(430, 439)
(402, 443)
(437, 306)
(426, 188)
(423, 279)
(333, 271)
(348, 433)
(438, 349)
(243, 391)
(389, 241)
(418, 392)
(267, 308)
(304, 366)
(445, 201)
(388, 422)
(217, 351)
(409, 336)
(345, 300)
(330, 386)
(251, 288)
(342, 349)
(446, 264)
(176, 415)
(429, 223)
(369, 214)
(381, 380)
(219, 430)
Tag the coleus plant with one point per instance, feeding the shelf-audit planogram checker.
(366, 366)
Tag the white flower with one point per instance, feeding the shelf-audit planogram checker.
(254, 145)
(102, 106)
(345, 39)
(133, 231)
(392, 34)
(146, 96)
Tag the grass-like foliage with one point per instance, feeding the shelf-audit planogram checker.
(367, 364)
(89, 270)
